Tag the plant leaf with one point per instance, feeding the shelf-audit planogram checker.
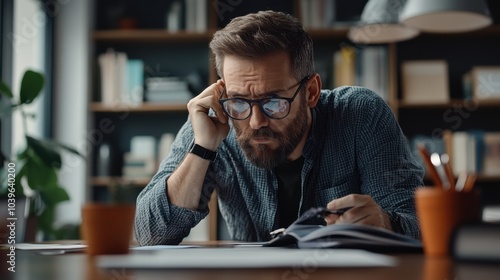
(45, 220)
(39, 175)
(6, 90)
(31, 85)
(19, 185)
(53, 195)
(3, 158)
(45, 152)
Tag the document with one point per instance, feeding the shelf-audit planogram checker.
(246, 257)
(308, 232)
(49, 248)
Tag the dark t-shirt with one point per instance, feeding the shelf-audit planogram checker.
(289, 191)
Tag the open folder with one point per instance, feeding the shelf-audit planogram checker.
(302, 234)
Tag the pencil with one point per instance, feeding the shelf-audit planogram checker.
(430, 167)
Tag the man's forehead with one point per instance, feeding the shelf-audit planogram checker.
(276, 64)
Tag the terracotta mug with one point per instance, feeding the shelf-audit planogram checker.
(107, 228)
(440, 212)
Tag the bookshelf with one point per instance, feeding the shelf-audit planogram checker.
(144, 108)
(163, 53)
(462, 52)
(180, 52)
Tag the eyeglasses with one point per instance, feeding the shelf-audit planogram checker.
(274, 107)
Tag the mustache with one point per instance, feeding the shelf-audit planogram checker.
(264, 132)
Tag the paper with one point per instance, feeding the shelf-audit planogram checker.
(162, 247)
(246, 257)
(42, 247)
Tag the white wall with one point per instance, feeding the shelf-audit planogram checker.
(28, 48)
(71, 88)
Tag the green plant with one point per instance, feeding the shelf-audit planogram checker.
(38, 163)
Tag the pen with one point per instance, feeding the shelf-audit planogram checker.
(339, 212)
(320, 212)
(315, 212)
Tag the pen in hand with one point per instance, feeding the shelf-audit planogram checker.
(339, 212)
(320, 212)
(315, 212)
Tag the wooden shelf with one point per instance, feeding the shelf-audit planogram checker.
(151, 36)
(452, 103)
(145, 107)
(328, 33)
(107, 181)
(480, 178)
(488, 178)
(490, 31)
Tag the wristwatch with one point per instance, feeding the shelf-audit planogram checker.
(203, 152)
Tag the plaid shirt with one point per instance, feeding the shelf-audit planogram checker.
(355, 146)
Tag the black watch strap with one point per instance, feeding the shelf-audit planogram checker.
(203, 152)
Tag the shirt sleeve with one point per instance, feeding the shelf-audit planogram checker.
(389, 173)
(157, 221)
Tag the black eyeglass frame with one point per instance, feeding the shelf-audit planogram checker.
(260, 101)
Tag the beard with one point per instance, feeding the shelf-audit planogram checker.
(264, 156)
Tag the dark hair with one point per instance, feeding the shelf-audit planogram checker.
(259, 34)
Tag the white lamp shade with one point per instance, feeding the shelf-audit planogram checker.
(381, 33)
(380, 24)
(446, 16)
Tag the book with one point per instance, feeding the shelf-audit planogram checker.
(352, 236)
(425, 82)
(372, 70)
(344, 64)
(485, 85)
(121, 78)
(477, 242)
(491, 154)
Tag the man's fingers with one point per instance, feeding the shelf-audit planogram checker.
(346, 201)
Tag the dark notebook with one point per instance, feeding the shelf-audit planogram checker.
(303, 235)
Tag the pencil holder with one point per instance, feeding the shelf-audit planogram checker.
(440, 212)
(107, 229)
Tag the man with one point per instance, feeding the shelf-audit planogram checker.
(273, 144)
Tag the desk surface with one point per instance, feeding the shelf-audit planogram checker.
(77, 266)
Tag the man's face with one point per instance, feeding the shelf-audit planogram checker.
(267, 142)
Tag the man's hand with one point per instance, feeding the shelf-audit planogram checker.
(365, 211)
(209, 131)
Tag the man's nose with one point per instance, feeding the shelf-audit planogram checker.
(258, 119)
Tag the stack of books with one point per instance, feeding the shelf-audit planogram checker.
(167, 89)
(122, 78)
(472, 151)
(140, 162)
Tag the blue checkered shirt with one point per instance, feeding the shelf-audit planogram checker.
(355, 146)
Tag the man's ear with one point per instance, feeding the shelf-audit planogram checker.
(313, 90)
